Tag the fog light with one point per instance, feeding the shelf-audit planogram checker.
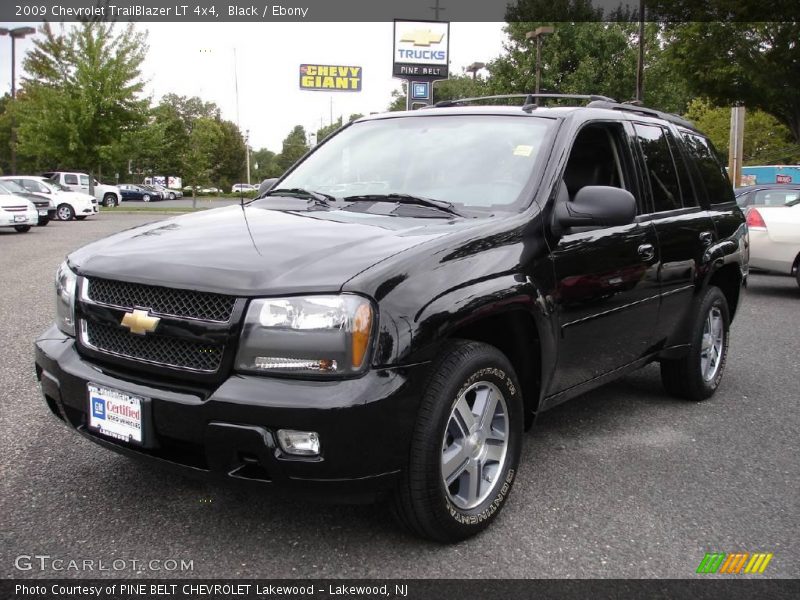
(300, 443)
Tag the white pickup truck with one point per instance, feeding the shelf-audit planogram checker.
(108, 195)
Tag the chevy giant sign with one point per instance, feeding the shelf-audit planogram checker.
(421, 49)
(330, 78)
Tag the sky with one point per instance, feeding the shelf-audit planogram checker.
(206, 59)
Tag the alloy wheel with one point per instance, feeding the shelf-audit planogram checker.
(475, 445)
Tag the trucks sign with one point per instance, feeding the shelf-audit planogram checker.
(421, 49)
(330, 78)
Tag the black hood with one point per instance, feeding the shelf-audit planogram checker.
(254, 250)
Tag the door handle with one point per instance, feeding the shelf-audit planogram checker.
(647, 251)
(707, 238)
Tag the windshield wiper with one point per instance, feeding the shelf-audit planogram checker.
(406, 199)
(317, 197)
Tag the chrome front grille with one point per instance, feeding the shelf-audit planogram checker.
(186, 304)
(155, 349)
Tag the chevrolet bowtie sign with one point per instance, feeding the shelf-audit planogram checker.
(421, 49)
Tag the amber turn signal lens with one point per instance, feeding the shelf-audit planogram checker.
(362, 325)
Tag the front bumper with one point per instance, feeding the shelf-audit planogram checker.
(10, 218)
(364, 424)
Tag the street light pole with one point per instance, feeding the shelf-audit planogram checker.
(640, 62)
(247, 150)
(537, 34)
(15, 34)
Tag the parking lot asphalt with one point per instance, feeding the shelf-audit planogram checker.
(621, 482)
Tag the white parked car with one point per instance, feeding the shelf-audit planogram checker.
(775, 238)
(109, 195)
(69, 205)
(243, 187)
(17, 212)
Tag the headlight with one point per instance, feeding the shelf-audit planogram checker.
(307, 335)
(66, 281)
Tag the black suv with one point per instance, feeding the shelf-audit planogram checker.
(392, 315)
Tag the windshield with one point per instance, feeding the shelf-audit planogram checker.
(475, 161)
(11, 187)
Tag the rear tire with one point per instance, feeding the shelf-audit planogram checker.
(22, 228)
(65, 212)
(465, 447)
(145, 198)
(697, 375)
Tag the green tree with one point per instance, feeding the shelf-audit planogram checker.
(83, 92)
(766, 141)
(228, 158)
(267, 164)
(198, 165)
(752, 63)
(294, 146)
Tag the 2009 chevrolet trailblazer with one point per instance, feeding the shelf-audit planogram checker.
(392, 315)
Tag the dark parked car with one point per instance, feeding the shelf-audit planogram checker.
(139, 192)
(397, 309)
(767, 194)
(45, 208)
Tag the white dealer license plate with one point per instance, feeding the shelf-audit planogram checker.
(115, 414)
(20, 219)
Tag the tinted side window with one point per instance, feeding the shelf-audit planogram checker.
(71, 179)
(688, 195)
(713, 175)
(660, 167)
(84, 180)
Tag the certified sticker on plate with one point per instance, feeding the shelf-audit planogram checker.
(115, 414)
(20, 219)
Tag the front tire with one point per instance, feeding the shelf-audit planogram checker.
(82, 217)
(146, 198)
(466, 445)
(22, 228)
(65, 212)
(43, 222)
(697, 375)
(171, 196)
(110, 201)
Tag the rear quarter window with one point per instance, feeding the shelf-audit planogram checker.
(709, 167)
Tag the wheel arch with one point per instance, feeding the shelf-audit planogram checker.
(515, 333)
(728, 278)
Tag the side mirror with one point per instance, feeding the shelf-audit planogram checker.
(597, 206)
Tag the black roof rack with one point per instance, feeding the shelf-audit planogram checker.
(529, 102)
(642, 110)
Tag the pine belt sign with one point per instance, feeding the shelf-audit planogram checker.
(330, 78)
(421, 49)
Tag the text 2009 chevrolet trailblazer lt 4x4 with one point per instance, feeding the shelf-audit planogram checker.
(393, 314)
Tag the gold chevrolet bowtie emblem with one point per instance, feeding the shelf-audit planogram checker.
(139, 322)
(422, 37)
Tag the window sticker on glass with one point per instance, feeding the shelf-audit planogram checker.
(523, 150)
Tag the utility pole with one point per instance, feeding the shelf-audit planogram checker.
(15, 34)
(736, 145)
(640, 63)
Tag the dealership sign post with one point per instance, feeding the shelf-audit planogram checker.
(421, 56)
